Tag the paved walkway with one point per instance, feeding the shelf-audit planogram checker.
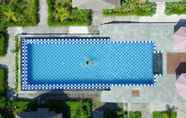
(94, 4)
(43, 12)
(45, 30)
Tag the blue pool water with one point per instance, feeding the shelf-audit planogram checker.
(90, 63)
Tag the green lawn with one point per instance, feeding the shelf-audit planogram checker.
(134, 114)
(132, 8)
(175, 8)
(2, 82)
(61, 13)
(18, 13)
(164, 115)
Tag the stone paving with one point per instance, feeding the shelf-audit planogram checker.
(45, 30)
(151, 98)
(95, 5)
(160, 33)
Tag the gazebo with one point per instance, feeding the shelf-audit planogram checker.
(180, 39)
(181, 85)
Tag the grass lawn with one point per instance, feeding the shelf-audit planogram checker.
(134, 114)
(175, 8)
(164, 115)
(2, 83)
(18, 13)
(132, 8)
(61, 13)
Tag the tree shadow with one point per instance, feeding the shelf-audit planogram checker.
(108, 106)
(169, 110)
(110, 110)
(52, 100)
(180, 69)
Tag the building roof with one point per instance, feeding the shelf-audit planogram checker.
(181, 85)
(41, 113)
(180, 39)
(173, 61)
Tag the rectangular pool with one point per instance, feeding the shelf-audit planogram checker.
(85, 63)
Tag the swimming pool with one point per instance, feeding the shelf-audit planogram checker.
(85, 63)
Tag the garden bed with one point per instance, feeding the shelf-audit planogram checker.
(132, 8)
(18, 13)
(175, 8)
(61, 13)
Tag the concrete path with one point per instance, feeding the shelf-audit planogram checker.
(94, 4)
(45, 30)
(43, 13)
(160, 8)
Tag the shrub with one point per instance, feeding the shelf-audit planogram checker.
(175, 8)
(18, 12)
(132, 7)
